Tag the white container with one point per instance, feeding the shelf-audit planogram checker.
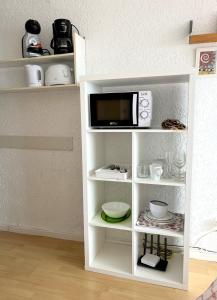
(58, 74)
(34, 75)
(156, 171)
(159, 209)
(107, 173)
(115, 209)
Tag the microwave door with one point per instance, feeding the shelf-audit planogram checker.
(113, 110)
(135, 110)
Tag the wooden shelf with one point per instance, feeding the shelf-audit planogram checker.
(97, 221)
(54, 143)
(38, 89)
(19, 62)
(203, 38)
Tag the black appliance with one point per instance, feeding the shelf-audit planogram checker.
(121, 110)
(62, 37)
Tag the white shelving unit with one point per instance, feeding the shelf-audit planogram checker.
(13, 82)
(115, 248)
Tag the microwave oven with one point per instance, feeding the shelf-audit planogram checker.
(121, 110)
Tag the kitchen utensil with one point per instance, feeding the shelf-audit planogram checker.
(159, 209)
(162, 263)
(34, 75)
(115, 209)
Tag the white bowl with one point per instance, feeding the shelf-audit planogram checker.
(159, 209)
(115, 209)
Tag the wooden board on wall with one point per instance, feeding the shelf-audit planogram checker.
(37, 142)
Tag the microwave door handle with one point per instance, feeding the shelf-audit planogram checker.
(134, 109)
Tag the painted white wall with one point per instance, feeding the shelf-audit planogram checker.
(42, 189)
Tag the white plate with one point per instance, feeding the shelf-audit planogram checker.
(167, 218)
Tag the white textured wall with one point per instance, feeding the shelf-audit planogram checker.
(42, 189)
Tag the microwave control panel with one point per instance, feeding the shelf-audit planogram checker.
(145, 109)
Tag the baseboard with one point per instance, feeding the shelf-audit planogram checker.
(30, 230)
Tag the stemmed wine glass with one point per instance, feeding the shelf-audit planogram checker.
(179, 162)
(169, 164)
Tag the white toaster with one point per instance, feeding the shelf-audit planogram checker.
(58, 74)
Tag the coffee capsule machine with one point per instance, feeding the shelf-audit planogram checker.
(31, 44)
(62, 36)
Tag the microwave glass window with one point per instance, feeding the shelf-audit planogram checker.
(114, 110)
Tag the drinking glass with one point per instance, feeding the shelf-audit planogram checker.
(143, 170)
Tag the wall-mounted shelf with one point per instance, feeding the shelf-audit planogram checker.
(203, 38)
(38, 89)
(76, 60)
(48, 59)
(12, 82)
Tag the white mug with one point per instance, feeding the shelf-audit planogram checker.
(156, 171)
(34, 75)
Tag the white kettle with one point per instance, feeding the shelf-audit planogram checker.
(34, 75)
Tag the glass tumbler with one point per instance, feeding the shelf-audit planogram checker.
(143, 170)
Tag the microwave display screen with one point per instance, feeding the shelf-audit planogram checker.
(113, 110)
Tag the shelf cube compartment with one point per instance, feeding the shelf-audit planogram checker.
(173, 276)
(100, 192)
(169, 100)
(173, 196)
(149, 149)
(108, 148)
(110, 251)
